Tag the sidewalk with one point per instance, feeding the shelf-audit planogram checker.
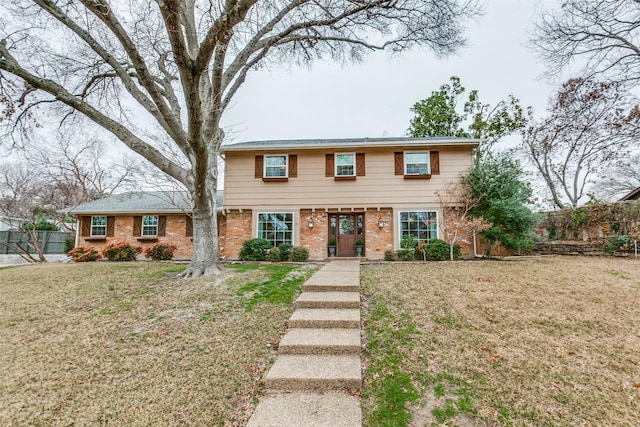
(318, 370)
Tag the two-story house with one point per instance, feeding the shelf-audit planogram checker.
(310, 192)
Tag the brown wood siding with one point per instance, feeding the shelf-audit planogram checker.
(380, 188)
(329, 169)
(259, 167)
(360, 164)
(85, 226)
(293, 165)
(137, 226)
(435, 162)
(111, 222)
(398, 161)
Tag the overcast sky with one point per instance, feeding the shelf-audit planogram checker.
(373, 98)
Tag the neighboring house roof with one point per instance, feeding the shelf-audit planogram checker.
(140, 202)
(347, 143)
(634, 195)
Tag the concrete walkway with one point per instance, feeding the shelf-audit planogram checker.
(318, 369)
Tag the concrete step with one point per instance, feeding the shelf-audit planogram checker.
(320, 341)
(328, 300)
(351, 265)
(325, 318)
(292, 373)
(321, 279)
(308, 410)
(321, 287)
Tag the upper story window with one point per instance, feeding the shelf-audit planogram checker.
(345, 164)
(275, 166)
(98, 226)
(150, 225)
(416, 163)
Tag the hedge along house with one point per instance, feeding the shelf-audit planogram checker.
(311, 192)
(138, 218)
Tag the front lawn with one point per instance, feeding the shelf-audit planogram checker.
(551, 341)
(126, 344)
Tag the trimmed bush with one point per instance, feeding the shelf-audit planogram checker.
(438, 250)
(389, 256)
(299, 254)
(83, 254)
(121, 251)
(406, 254)
(285, 251)
(255, 250)
(274, 255)
(160, 252)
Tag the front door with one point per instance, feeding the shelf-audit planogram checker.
(346, 235)
(346, 228)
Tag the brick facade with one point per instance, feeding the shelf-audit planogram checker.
(123, 232)
(237, 228)
(378, 240)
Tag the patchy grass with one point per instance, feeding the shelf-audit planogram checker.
(126, 344)
(534, 342)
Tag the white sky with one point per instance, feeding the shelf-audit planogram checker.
(373, 98)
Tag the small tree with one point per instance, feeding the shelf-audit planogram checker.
(456, 205)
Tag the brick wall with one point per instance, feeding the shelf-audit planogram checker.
(378, 240)
(123, 231)
(237, 229)
(314, 239)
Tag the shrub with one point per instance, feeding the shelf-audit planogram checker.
(68, 245)
(408, 242)
(121, 251)
(299, 254)
(438, 250)
(160, 252)
(254, 250)
(406, 254)
(274, 255)
(389, 256)
(617, 244)
(285, 251)
(83, 254)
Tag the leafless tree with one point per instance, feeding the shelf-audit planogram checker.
(458, 223)
(28, 204)
(603, 36)
(590, 127)
(620, 180)
(178, 63)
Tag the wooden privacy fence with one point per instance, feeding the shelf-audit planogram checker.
(52, 242)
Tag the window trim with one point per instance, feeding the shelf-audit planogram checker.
(293, 223)
(428, 163)
(427, 210)
(91, 234)
(142, 227)
(286, 167)
(335, 166)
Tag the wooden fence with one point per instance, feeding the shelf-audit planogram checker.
(52, 242)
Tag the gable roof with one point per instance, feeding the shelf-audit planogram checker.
(141, 202)
(634, 195)
(348, 143)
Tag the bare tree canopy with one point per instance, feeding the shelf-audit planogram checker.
(602, 35)
(591, 126)
(150, 71)
(620, 180)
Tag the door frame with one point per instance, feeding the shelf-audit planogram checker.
(333, 229)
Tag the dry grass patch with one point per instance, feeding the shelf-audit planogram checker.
(126, 344)
(541, 341)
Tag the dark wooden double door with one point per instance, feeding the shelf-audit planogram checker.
(346, 228)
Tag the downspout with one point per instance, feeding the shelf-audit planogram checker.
(475, 246)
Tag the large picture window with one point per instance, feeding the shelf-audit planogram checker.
(416, 163)
(277, 227)
(421, 225)
(275, 166)
(98, 226)
(150, 225)
(345, 164)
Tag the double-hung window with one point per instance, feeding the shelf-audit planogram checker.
(98, 226)
(421, 225)
(276, 227)
(150, 226)
(275, 166)
(416, 163)
(345, 164)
